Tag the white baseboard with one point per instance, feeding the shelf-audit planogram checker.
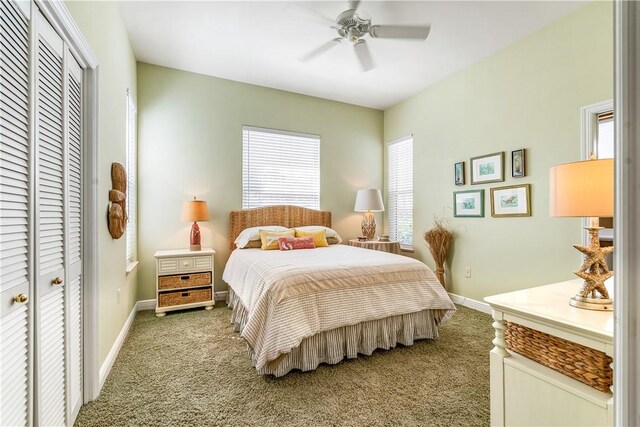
(220, 296)
(149, 304)
(115, 348)
(470, 303)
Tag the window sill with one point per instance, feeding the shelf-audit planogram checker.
(131, 266)
(409, 250)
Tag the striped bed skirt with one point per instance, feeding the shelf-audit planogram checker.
(332, 346)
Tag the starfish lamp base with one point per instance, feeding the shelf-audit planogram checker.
(594, 271)
(598, 304)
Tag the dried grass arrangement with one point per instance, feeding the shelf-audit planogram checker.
(439, 239)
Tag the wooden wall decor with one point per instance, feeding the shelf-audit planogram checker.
(117, 218)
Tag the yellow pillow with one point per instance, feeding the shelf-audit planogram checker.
(270, 238)
(319, 237)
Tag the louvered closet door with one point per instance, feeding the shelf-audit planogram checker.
(50, 221)
(15, 203)
(74, 235)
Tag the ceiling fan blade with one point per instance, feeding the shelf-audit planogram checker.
(321, 49)
(311, 14)
(364, 55)
(353, 4)
(399, 32)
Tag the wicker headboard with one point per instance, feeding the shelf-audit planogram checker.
(286, 216)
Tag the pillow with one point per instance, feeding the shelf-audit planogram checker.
(292, 243)
(253, 244)
(253, 233)
(319, 237)
(333, 241)
(270, 238)
(330, 232)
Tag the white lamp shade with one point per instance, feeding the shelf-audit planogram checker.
(369, 200)
(582, 189)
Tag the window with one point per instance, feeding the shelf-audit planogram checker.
(131, 235)
(280, 168)
(604, 135)
(597, 137)
(400, 191)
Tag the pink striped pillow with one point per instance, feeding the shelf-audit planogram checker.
(291, 243)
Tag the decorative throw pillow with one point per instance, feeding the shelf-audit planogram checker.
(292, 243)
(332, 235)
(253, 234)
(319, 237)
(270, 238)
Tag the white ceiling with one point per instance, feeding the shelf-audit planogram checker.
(261, 42)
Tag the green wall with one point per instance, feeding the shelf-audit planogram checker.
(117, 72)
(190, 144)
(527, 95)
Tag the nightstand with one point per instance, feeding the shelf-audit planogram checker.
(391, 247)
(184, 279)
(550, 364)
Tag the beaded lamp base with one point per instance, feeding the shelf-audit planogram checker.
(368, 225)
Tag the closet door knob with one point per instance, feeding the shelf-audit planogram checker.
(57, 281)
(20, 298)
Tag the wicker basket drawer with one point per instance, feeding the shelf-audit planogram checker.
(589, 366)
(168, 299)
(184, 280)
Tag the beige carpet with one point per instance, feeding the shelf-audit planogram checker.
(190, 368)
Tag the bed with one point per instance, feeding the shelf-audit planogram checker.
(298, 309)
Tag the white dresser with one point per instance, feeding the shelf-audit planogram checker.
(525, 392)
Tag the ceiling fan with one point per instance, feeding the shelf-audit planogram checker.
(353, 28)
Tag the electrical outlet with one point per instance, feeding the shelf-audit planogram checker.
(118, 296)
(467, 272)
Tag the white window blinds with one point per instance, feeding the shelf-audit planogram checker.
(400, 191)
(132, 182)
(604, 136)
(280, 168)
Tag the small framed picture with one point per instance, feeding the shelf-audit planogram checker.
(458, 173)
(514, 200)
(487, 168)
(468, 203)
(518, 163)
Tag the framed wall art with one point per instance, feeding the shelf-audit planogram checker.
(458, 173)
(518, 163)
(487, 168)
(514, 200)
(468, 203)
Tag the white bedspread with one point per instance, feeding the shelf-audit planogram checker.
(292, 295)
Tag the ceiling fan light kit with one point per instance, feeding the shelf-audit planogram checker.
(354, 28)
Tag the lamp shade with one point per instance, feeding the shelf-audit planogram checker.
(582, 189)
(195, 210)
(369, 200)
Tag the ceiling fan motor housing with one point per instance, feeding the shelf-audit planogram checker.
(351, 26)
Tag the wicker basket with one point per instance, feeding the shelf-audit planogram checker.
(168, 299)
(184, 280)
(589, 366)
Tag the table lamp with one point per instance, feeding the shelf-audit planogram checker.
(194, 211)
(369, 201)
(585, 189)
